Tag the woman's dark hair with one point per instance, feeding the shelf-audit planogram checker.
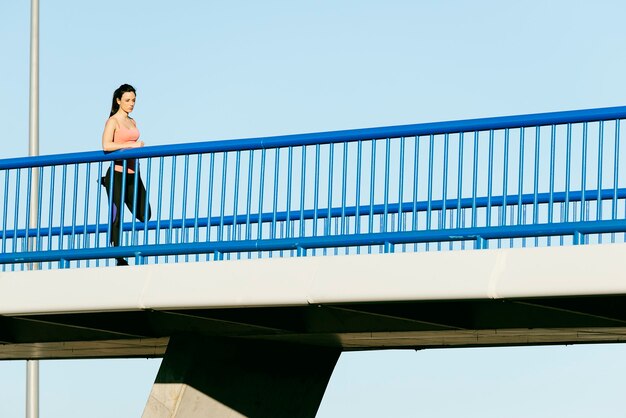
(117, 94)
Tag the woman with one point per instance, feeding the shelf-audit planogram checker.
(121, 132)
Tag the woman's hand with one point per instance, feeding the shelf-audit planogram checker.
(138, 144)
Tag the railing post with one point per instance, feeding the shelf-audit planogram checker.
(578, 238)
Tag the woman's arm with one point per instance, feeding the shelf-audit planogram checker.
(107, 139)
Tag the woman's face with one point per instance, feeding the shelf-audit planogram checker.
(127, 102)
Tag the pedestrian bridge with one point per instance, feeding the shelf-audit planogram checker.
(267, 257)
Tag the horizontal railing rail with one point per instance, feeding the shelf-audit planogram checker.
(336, 212)
(387, 240)
(336, 137)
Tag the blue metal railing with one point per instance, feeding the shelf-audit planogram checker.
(530, 180)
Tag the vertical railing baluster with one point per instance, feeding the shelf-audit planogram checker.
(536, 181)
(220, 232)
(236, 197)
(357, 212)
(316, 190)
(174, 233)
(159, 203)
(147, 210)
(505, 180)
(63, 194)
(249, 196)
(386, 188)
(289, 187)
(284, 226)
(599, 183)
(183, 226)
(552, 174)
(275, 193)
(370, 226)
(86, 209)
(431, 150)
(5, 214)
(210, 199)
(29, 183)
(261, 195)
(568, 174)
(86, 206)
(520, 176)
(344, 180)
(74, 206)
(521, 208)
(39, 207)
(599, 201)
(459, 202)
(170, 228)
(157, 236)
(331, 166)
(475, 178)
(444, 189)
(51, 210)
(479, 242)
(444, 186)
(196, 209)
(16, 213)
(302, 223)
(583, 203)
(401, 189)
(459, 190)
(183, 229)
(329, 189)
(489, 178)
(416, 158)
(615, 170)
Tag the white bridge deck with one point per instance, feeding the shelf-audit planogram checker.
(406, 300)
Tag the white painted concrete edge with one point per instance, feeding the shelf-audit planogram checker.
(454, 275)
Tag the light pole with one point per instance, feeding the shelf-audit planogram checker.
(32, 366)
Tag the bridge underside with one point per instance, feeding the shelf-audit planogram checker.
(400, 301)
(349, 327)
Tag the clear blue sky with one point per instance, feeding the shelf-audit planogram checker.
(209, 70)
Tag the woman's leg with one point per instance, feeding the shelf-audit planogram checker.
(116, 203)
(115, 208)
(135, 204)
(139, 210)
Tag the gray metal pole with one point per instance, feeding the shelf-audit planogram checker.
(32, 383)
(32, 366)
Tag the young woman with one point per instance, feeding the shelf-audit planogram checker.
(121, 132)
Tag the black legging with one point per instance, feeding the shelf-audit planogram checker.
(116, 204)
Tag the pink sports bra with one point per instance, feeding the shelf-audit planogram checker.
(123, 134)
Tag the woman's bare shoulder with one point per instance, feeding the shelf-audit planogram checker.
(112, 122)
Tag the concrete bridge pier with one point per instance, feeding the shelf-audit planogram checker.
(205, 377)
